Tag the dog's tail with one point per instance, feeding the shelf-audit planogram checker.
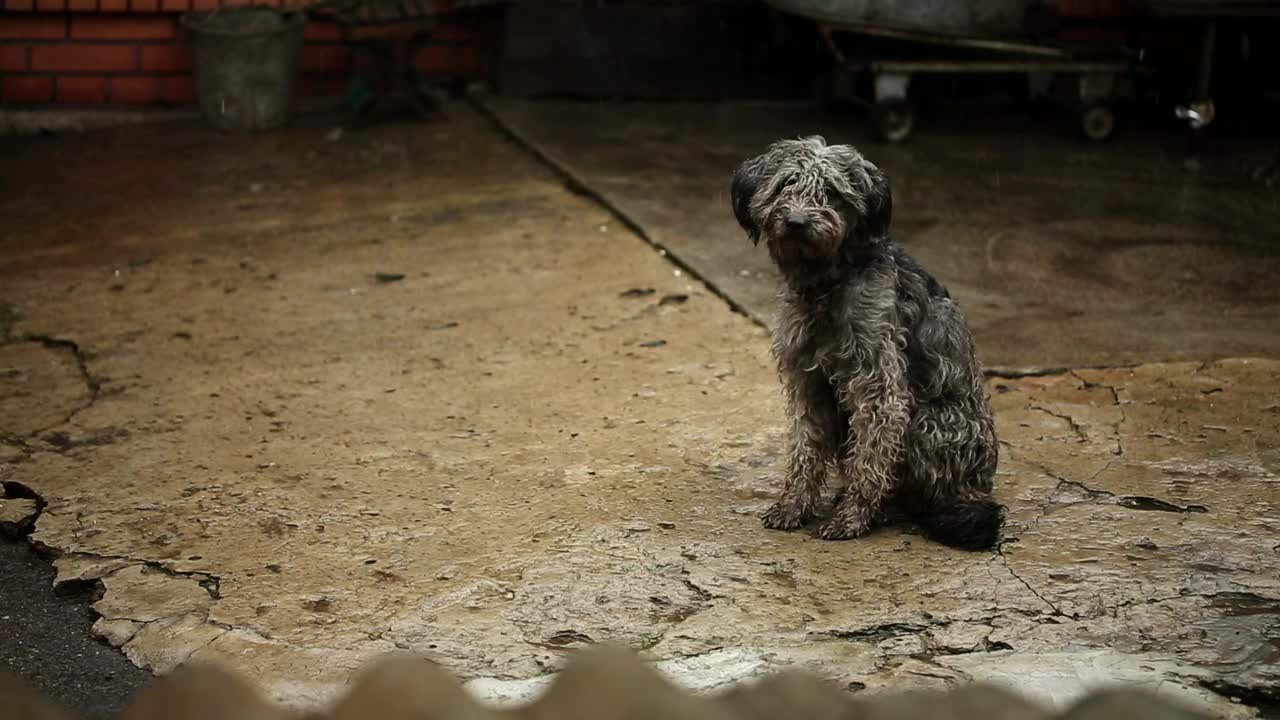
(967, 522)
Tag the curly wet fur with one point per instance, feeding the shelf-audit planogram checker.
(876, 360)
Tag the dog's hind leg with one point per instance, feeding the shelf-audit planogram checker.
(950, 462)
(815, 436)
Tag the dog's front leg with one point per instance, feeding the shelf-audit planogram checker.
(811, 405)
(879, 402)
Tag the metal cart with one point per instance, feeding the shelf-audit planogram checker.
(1098, 78)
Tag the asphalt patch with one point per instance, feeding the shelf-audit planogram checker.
(46, 639)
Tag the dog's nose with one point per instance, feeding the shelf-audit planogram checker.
(797, 221)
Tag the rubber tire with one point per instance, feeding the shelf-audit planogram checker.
(894, 121)
(1097, 122)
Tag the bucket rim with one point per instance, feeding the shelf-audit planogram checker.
(291, 18)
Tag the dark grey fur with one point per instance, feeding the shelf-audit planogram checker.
(876, 360)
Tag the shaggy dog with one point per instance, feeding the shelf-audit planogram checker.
(876, 361)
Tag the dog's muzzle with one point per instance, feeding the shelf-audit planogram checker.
(797, 239)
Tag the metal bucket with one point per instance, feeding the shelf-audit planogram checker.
(1000, 17)
(246, 64)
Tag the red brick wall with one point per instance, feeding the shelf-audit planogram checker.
(133, 52)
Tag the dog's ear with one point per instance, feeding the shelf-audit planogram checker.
(745, 181)
(879, 198)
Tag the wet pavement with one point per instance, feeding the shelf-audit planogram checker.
(1063, 254)
(295, 402)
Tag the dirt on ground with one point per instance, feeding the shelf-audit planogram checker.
(296, 402)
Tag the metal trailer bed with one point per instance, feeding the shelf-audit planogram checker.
(1096, 75)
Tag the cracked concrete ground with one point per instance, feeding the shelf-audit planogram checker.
(295, 403)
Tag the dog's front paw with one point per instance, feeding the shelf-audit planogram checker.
(838, 528)
(784, 516)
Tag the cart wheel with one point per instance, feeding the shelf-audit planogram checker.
(894, 120)
(1097, 122)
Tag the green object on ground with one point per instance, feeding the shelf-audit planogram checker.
(359, 93)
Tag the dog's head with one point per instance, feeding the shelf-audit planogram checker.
(811, 201)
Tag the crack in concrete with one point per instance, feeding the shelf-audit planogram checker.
(1050, 499)
(1101, 470)
(208, 582)
(8, 317)
(1115, 400)
(13, 525)
(578, 186)
(884, 631)
(1013, 573)
(14, 489)
(1093, 495)
(211, 583)
(82, 365)
(20, 443)
(1005, 372)
(1124, 418)
(133, 620)
(1142, 502)
(1090, 493)
(1071, 422)
(702, 593)
(1090, 385)
(225, 629)
(876, 634)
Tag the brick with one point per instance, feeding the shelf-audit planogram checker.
(322, 30)
(82, 90)
(325, 57)
(463, 27)
(166, 58)
(178, 90)
(50, 5)
(135, 89)
(33, 27)
(452, 32)
(82, 5)
(175, 5)
(382, 30)
(464, 61)
(77, 57)
(203, 5)
(144, 5)
(321, 85)
(124, 28)
(20, 5)
(434, 60)
(26, 89)
(13, 57)
(113, 5)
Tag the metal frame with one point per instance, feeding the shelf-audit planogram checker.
(396, 31)
(893, 77)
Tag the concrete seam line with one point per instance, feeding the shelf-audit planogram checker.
(578, 186)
